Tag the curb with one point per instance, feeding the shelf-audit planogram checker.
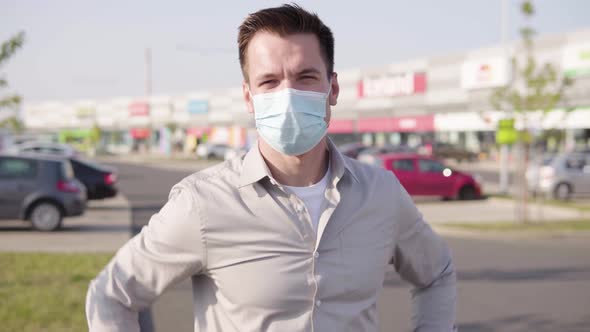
(463, 233)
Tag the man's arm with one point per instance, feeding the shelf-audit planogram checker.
(168, 250)
(422, 258)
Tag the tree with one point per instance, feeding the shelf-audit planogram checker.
(13, 124)
(535, 87)
(12, 101)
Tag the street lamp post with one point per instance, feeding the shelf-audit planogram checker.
(504, 148)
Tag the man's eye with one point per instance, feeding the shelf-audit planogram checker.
(308, 77)
(266, 82)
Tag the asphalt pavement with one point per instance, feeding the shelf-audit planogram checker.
(505, 284)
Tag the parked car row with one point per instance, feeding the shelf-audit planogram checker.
(44, 186)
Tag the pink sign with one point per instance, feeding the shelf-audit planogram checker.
(341, 126)
(392, 85)
(419, 123)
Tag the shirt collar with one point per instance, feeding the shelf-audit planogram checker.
(339, 163)
(254, 167)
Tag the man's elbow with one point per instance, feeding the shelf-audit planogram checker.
(446, 276)
(106, 313)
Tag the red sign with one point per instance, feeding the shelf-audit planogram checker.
(375, 125)
(419, 123)
(392, 85)
(414, 123)
(341, 126)
(139, 109)
(197, 131)
(140, 133)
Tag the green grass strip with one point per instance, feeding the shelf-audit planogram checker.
(45, 292)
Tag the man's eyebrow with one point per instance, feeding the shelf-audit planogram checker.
(266, 76)
(309, 70)
(263, 77)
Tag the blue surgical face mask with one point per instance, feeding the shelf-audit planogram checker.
(291, 121)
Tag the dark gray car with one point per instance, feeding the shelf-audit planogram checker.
(42, 190)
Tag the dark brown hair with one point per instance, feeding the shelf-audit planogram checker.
(286, 20)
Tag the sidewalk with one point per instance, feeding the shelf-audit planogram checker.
(491, 210)
(103, 228)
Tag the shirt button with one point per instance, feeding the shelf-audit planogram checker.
(316, 254)
(318, 303)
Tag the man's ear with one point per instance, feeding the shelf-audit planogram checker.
(333, 97)
(247, 97)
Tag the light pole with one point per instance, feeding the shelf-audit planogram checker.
(148, 93)
(504, 149)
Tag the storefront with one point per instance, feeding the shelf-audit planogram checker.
(419, 101)
(408, 130)
(140, 131)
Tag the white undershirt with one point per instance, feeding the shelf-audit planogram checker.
(313, 197)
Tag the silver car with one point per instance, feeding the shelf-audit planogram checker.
(561, 176)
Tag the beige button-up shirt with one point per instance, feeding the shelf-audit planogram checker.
(257, 264)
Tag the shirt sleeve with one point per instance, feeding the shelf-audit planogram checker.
(422, 258)
(168, 250)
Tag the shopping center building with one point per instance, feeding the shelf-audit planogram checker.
(444, 98)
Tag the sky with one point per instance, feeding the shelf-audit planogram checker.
(95, 49)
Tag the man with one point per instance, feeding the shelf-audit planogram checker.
(294, 236)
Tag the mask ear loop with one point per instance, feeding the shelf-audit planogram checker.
(328, 101)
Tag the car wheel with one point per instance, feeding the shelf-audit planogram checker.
(563, 192)
(46, 216)
(467, 193)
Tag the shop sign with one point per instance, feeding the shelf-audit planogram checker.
(485, 73)
(576, 60)
(198, 106)
(341, 126)
(392, 85)
(197, 131)
(140, 133)
(506, 133)
(139, 109)
(419, 123)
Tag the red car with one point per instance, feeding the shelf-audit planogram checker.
(426, 176)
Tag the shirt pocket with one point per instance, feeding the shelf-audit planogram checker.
(364, 261)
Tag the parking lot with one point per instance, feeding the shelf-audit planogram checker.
(500, 278)
(103, 228)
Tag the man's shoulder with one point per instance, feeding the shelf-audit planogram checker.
(225, 173)
(368, 174)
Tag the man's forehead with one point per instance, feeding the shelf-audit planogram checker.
(272, 52)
